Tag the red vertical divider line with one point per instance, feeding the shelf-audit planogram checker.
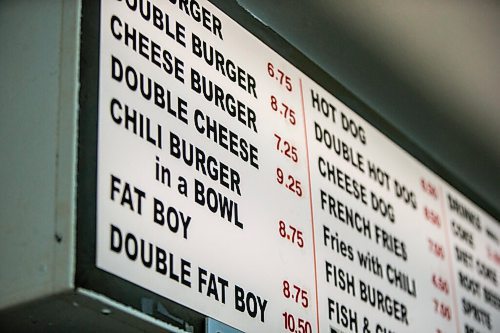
(310, 203)
(450, 265)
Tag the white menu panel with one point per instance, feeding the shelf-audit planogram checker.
(232, 183)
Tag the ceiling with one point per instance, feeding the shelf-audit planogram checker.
(432, 69)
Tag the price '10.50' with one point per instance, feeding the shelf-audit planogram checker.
(296, 325)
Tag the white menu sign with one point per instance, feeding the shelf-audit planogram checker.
(232, 183)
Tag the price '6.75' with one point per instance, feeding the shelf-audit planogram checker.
(280, 76)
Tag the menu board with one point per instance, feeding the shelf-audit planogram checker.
(232, 183)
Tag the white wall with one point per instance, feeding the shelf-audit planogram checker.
(38, 114)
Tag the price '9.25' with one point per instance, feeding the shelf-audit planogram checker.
(289, 182)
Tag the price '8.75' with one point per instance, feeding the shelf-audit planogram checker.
(284, 110)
